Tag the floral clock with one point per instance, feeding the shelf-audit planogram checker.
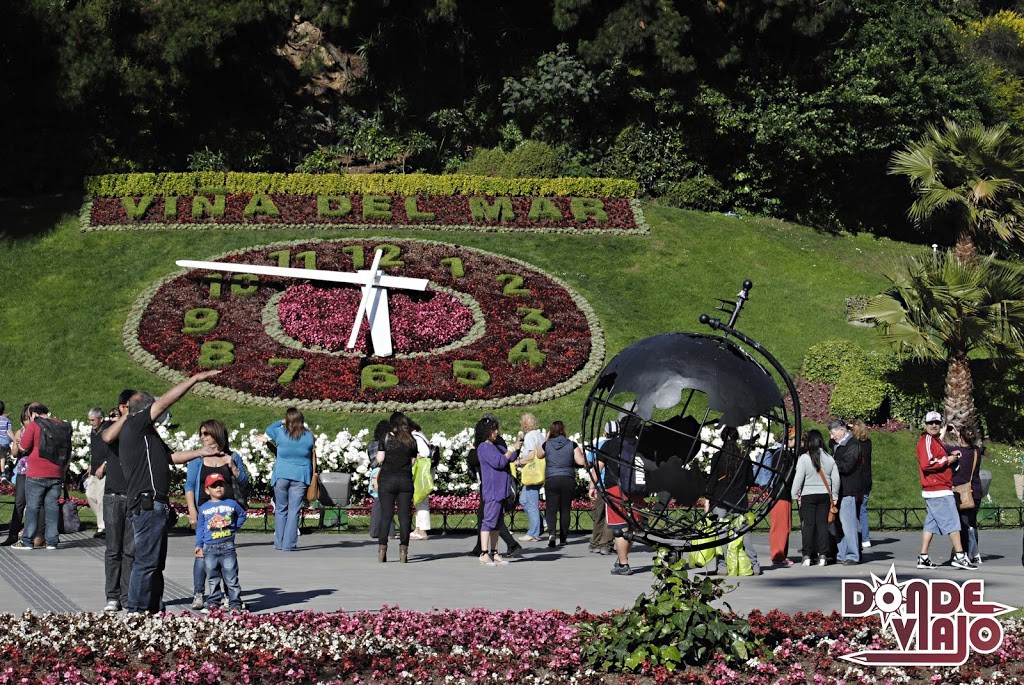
(490, 330)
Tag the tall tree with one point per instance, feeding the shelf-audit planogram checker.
(975, 172)
(944, 308)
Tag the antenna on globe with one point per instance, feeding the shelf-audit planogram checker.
(656, 420)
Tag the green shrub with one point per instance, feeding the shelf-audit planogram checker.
(326, 159)
(826, 361)
(700, 192)
(484, 162)
(132, 185)
(531, 159)
(859, 395)
(675, 625)
(207, 160)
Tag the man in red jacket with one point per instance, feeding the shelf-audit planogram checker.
(43, 482)
(936, 468)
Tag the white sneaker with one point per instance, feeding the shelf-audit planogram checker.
(112, 605)
(961, 561)
(865, 544)
(823, 562)
(807, 561)
(976, 560)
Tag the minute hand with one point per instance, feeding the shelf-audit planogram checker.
(308, 274)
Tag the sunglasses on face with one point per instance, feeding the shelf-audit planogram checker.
(933, 423)
(216, 485)
(202, 432)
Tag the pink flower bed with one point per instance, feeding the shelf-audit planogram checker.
(323, 317)
(395, 646)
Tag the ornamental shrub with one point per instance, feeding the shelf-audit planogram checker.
(700, 192)
(531, 159)
(207, 160)
(326, 159)
(672, 627)
(484, 162)
(859, 395)
(826, 361)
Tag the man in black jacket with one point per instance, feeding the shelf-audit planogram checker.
(852, 477)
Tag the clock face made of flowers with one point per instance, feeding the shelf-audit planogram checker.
(488, 331)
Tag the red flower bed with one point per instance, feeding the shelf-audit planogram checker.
(572, 346)
(429, 211)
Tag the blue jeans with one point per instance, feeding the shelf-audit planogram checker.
(120, 551)
(146, 586)
(865, 533)
(849, 546)
(42, 493)
(529, 497)
(221, 561)
(288, 496)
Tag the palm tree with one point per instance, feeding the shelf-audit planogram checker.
(944, 308)
(975, 171)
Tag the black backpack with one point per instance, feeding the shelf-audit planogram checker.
(54, 440)
(435, 455)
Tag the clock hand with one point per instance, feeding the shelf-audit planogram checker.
(368, 292)
(359, 278)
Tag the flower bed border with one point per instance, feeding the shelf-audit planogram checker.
(130, 338)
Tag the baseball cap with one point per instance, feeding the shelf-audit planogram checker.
(611, 428)
(213, 479)
(933, 416)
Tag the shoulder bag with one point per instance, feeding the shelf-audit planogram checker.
(964, 491)
(313, 489)
(832, 508)
(533, 471)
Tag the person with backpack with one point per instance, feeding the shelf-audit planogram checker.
(48, 444)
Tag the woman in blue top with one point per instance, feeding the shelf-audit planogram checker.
(292, 474)
(228, 464)
(495, 481)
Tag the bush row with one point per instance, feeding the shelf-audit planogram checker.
(192, 183)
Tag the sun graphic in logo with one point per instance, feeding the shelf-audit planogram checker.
(890, 597)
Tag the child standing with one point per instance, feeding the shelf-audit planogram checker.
(215, 542)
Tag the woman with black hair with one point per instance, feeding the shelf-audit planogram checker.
(732, 474)
(395, 457)
(495, 481)
(965, 441)
(376, 518)
(816, 490)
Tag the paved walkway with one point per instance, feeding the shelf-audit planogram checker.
(335, 572)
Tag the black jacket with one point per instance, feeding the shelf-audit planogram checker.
(853, 475)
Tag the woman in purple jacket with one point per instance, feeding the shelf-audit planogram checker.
(495, 480)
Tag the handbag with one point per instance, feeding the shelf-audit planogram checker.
(69, 521)
(965, 491)
(832, 509)
(508, 504)
(313, 489)
(532, 473)
(422, 479)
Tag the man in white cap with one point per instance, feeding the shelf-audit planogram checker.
(936, 468)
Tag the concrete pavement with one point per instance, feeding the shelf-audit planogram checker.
(334, 572)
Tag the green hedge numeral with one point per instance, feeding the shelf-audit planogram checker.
(514, 285)
(283, 257)
(215, 283)
(378, 377)
(245, 284)
(308, 259)
(526, 351)
(292, 370)
(200, 320)
(534, 320)
(455, 264)
(470, 373)
(391, 255)
(216, 353)
(357, 254)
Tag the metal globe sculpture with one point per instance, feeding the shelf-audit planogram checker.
(679, 424)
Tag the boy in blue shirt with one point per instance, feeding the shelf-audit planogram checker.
(215, 542)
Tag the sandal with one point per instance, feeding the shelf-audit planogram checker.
(498, 560)
(485, 560)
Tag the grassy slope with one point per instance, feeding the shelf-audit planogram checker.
(66, 295)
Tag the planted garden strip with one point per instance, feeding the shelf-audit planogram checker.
(221, 210)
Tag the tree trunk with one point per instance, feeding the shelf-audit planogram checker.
(960, 392)
(965, 249)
